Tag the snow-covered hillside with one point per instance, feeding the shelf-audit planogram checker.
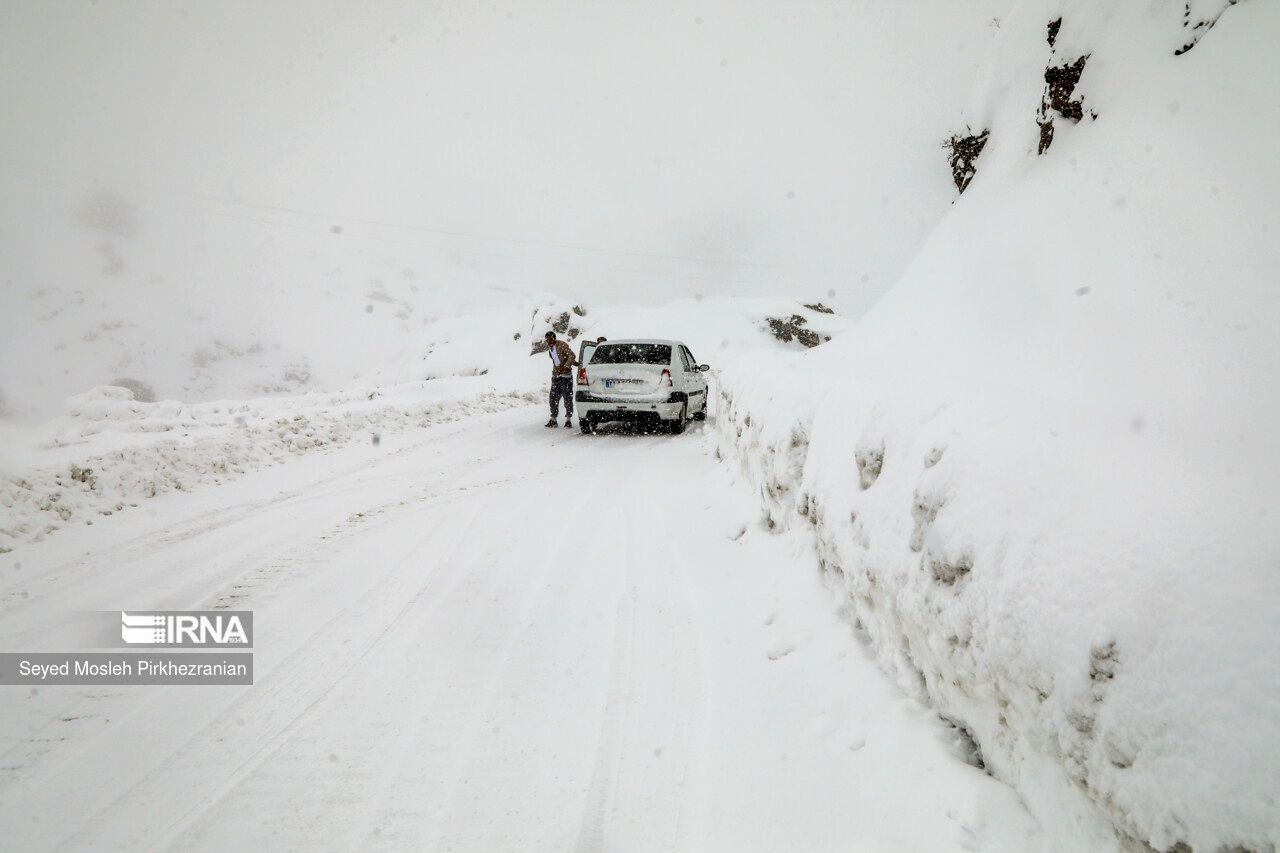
(304, 192)
(1042, 469)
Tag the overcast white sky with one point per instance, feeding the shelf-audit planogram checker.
(731, 131)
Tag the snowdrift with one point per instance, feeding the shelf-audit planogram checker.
(1042, 470)
(110, 450)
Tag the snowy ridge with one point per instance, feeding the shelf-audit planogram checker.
(112, 451)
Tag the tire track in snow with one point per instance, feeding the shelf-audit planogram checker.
(500, 674)
(367, 714)
(644, 755)
(688, 736)
(276, 741)
(600, 794)
(261, 565)
(304, 672)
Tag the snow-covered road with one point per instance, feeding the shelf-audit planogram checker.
(485, 635)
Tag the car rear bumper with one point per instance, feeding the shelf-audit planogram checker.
(597, 409)
(582, 395)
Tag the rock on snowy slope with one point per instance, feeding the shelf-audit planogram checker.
(1043, 468)
(502, 343)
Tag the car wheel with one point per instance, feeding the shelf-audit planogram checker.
(586, 425)
(677, 426)
(702, 413)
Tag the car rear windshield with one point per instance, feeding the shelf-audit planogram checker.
(632, 354)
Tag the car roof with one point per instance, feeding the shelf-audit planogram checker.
(641, 341)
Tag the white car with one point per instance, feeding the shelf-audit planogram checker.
(639, 380)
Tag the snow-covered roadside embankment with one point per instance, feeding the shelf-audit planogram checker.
(1101, 625)
(1042, 469)
(111, 451)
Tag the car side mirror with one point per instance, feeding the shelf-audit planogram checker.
(704, 367)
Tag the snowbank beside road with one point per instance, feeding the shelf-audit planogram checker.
(111, 451)
(1101, 622)
(1043, 468)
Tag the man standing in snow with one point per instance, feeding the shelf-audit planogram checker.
(561, 379)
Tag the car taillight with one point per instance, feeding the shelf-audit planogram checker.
(582, 376)
(666, 377)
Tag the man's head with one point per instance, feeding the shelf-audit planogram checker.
(600, 339)
(549, 337)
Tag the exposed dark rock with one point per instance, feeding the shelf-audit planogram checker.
(560, 323)
(1046, 134)
(793, 330)
(809, 339)
(1054, 26)
(964, 155)
(1059, 85)
(820, 308)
